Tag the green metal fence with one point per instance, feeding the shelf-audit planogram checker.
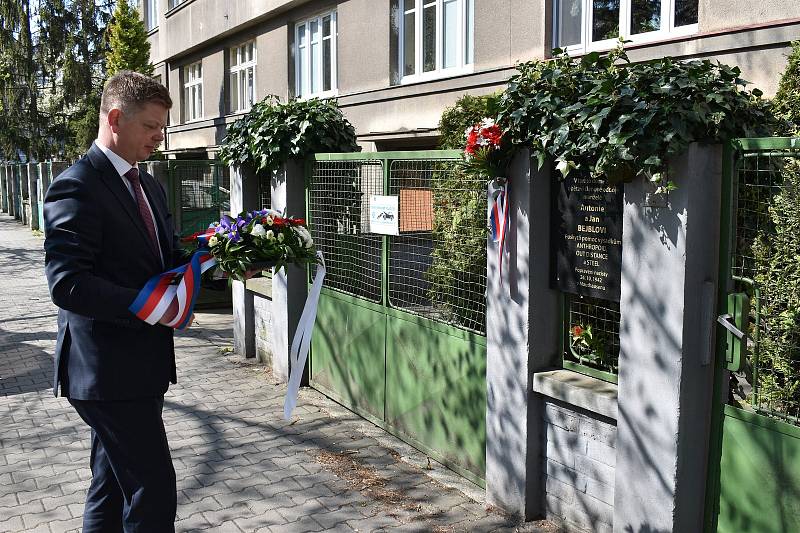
(400, 335)
(766, 265)
(201, 192)
(436, 266)
(596, 352)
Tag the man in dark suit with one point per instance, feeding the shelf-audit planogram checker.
(107, 231)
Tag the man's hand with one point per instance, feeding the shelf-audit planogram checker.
(171, 313)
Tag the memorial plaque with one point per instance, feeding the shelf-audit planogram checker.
(587, 236)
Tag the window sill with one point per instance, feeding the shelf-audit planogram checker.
(437, 75)
(576, 389)
(152, 31)
(177, 8)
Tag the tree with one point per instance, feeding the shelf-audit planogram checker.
(127, 39)
(786, 104)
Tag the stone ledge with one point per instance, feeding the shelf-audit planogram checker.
(586, 392)
(262, 286)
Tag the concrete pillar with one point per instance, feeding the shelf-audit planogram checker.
(522, 336)
(3, 190)
(33, 195)
(244, 197)
(669, 279)
(25, 206)
(13, 191)
(290, 285)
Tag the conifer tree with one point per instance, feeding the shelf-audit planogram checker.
(786, 104)
(127, 40)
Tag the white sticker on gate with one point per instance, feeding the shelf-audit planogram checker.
(384, 214)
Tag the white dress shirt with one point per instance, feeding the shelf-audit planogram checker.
(122, 166)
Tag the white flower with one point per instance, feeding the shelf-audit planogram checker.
(269, 220)
(304, 235)
(280, 237)
(258, 230)
(213, 241)
(270, 234)
(487, 123)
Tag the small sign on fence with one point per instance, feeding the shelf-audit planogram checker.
(384, 214)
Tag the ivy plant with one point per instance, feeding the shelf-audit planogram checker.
(274, 132)
(617, 120)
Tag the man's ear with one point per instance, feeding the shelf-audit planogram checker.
(114, 118)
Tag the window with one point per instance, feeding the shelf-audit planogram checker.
(150, 14)
(243, 77)
(193, 91)
(175, 3)
(315, 56)
(582, 25)
(436, 38)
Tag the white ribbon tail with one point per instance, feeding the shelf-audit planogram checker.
(302, 340)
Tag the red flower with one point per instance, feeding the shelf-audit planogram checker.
(492, 134)
(577, 331)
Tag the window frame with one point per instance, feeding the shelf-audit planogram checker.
(299, 76)
(237, 52)
(465, 37)
(189, 84)
(150, 15)
(586, 45)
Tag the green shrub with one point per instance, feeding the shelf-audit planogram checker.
(619, 120)
(274, 132)
(776, 252)
(786, 104)
(458, 270)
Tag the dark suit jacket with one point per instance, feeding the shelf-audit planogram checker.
(96, 259)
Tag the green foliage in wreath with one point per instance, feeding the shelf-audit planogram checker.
(786, 104)
(458, 270)
(618, 120)
(776, 252)
(274, 132)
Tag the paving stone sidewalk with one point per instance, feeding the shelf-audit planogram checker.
(240, 467)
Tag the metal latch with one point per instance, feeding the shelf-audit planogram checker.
(736, 322)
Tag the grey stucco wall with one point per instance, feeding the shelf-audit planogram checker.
(580, 461)
(714, 15)
(364, 39)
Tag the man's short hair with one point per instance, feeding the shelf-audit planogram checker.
(129, 91)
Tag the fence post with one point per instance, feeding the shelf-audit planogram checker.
(12, 190)
(522, 337)
(33, 195)
(3, 189)
(290, 285)
(25, 205)
(244, 197)
(669, 278)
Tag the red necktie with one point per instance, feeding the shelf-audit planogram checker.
(144, 211)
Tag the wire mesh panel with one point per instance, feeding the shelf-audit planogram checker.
(339, 212)
(265, 190)
(592, 333)
(766, 265)
(437, 265)
(204, 193)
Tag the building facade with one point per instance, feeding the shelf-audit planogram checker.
(394, 65)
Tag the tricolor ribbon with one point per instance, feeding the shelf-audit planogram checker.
(181, 284)
(499, 194)
(302, 339)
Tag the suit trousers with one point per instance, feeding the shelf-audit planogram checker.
(133, 487)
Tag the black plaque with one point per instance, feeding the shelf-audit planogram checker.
(587, 236)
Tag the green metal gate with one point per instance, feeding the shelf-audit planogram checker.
(754, 481)
(201, 193)
(400, 335)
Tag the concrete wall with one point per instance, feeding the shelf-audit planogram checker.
(714, 15)
(579, 463)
